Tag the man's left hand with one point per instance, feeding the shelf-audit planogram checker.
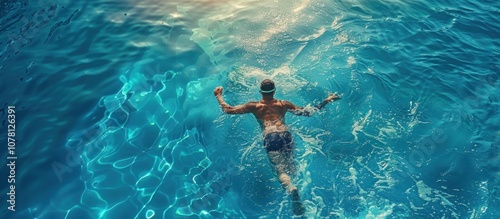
(218, 91)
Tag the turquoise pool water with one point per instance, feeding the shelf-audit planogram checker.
(116, 118)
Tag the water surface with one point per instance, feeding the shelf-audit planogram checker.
(116, 117)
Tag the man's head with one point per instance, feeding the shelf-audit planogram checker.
(267, 87)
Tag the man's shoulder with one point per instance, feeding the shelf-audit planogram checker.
(251, 103)
(287, 104)
(284, 102)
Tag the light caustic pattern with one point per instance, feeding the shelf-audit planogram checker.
(144, 162)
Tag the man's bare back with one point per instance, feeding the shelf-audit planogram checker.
(270, 115)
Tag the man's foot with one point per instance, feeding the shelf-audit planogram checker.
(297, 206)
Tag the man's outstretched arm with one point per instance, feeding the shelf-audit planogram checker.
(240, 109)
(330, 98)
(301, 111)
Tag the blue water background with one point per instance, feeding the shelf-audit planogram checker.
(116, 117)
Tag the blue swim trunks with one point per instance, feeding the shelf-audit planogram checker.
(280, 150)
(278, 141)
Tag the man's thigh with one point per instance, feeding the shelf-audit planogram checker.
(282, 161)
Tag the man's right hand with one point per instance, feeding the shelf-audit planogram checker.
(333, 96)
(218, 91)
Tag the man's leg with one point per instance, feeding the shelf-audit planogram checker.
(283, 162)
(297, 205)
(286, 181)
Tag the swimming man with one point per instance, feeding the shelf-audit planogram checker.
(278, 141)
